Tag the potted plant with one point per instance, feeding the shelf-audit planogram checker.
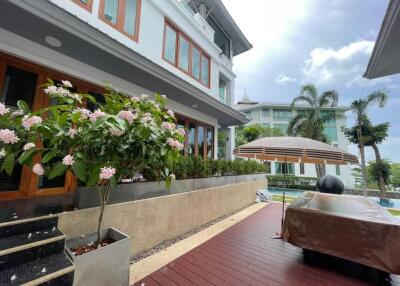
(123, 137)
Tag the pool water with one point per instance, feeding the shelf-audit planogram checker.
(387, 203)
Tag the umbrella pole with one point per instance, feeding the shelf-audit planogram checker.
(284, 194)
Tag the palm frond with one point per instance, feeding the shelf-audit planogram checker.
(329, 98)
(295, 123)
(379, 97)
(302, 99)
(309, 90)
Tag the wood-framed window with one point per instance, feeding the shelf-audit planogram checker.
(183, 53)
(199, 138)
(86, 4)
(123, 15)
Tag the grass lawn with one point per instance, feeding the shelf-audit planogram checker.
(395, 212)
(279, 198)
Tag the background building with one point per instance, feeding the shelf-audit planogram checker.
(279, 116)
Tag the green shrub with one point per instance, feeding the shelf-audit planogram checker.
(292, 182)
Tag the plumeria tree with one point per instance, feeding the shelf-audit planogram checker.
(124, 137)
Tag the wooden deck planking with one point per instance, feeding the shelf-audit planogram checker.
(245, 254)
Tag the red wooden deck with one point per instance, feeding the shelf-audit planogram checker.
(245, 254)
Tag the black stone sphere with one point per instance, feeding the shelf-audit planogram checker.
(330, 184)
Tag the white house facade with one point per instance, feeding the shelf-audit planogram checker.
(182, 49)
(279, 115)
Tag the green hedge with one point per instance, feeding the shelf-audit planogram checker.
(292, 182)
(195, 167)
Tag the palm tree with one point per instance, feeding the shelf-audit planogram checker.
(372, 135)
(359, 108)
(310, 123)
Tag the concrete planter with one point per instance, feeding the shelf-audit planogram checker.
(87, 197)
(106, 266)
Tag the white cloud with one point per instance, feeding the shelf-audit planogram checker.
(284, 79)
(341, 66)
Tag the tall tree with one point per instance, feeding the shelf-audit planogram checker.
(359, 107)
(372, 135)
(310, 123)
(248, 133)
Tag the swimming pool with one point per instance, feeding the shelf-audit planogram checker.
(387, 203)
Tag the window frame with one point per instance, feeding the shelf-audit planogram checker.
(120, 23)
(88, 6)
(192, 44)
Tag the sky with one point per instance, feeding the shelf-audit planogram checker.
(325, 42)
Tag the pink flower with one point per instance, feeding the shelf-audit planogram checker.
(144, 96)
(3, 153)
(66, 83)
(18, 112)
(127, 115)
(50, 89)
(38, 169)
(181, 131)
(8, 136)
(107, 173)
(72, 132)
(147, 118)
(85, 113)
(135, 98)
(68, 160)
(170, 113)
(28, 122)
(97, 114)
(3, 109)
(116, 132)
(168, 126)
(174, 144)
(29, 146)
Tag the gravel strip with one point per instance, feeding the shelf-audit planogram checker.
(168, 243)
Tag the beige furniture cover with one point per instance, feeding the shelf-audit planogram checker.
(351, 227)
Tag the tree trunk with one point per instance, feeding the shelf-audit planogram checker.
(319, 169)
(363, 169)
(381, 180)
(103, 202)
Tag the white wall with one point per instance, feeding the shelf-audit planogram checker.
(151, 32)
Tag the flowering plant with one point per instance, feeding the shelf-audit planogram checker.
(121, 138)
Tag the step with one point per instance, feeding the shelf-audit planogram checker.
(28, 225)
(21, 241)
(42, 271)
(30, 252)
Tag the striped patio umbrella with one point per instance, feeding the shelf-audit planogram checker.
(296, 150)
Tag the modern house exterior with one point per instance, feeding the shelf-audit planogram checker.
(276, 115)
(385, 58)
(182, 49)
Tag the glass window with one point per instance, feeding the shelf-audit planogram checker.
(268, 167)
(111, 10)
(183, 53)
(99, 99)
(200, 141)
(282, 114)
(130, 17)
(281, 168)
(301, 168)
(205, 65)
(191, 139)
(18, 85)
(265, 113)
(222, 93)
(170, 44)
(210, 143)
(196, 63)
(337, 170)
(282, 127)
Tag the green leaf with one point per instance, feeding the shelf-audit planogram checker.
(76, 116)
(58, 170)
(80, 171)
(8, 164)
(23, 105)
(49, 155)
(63, 118)
(26, 156)
(93, 177)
